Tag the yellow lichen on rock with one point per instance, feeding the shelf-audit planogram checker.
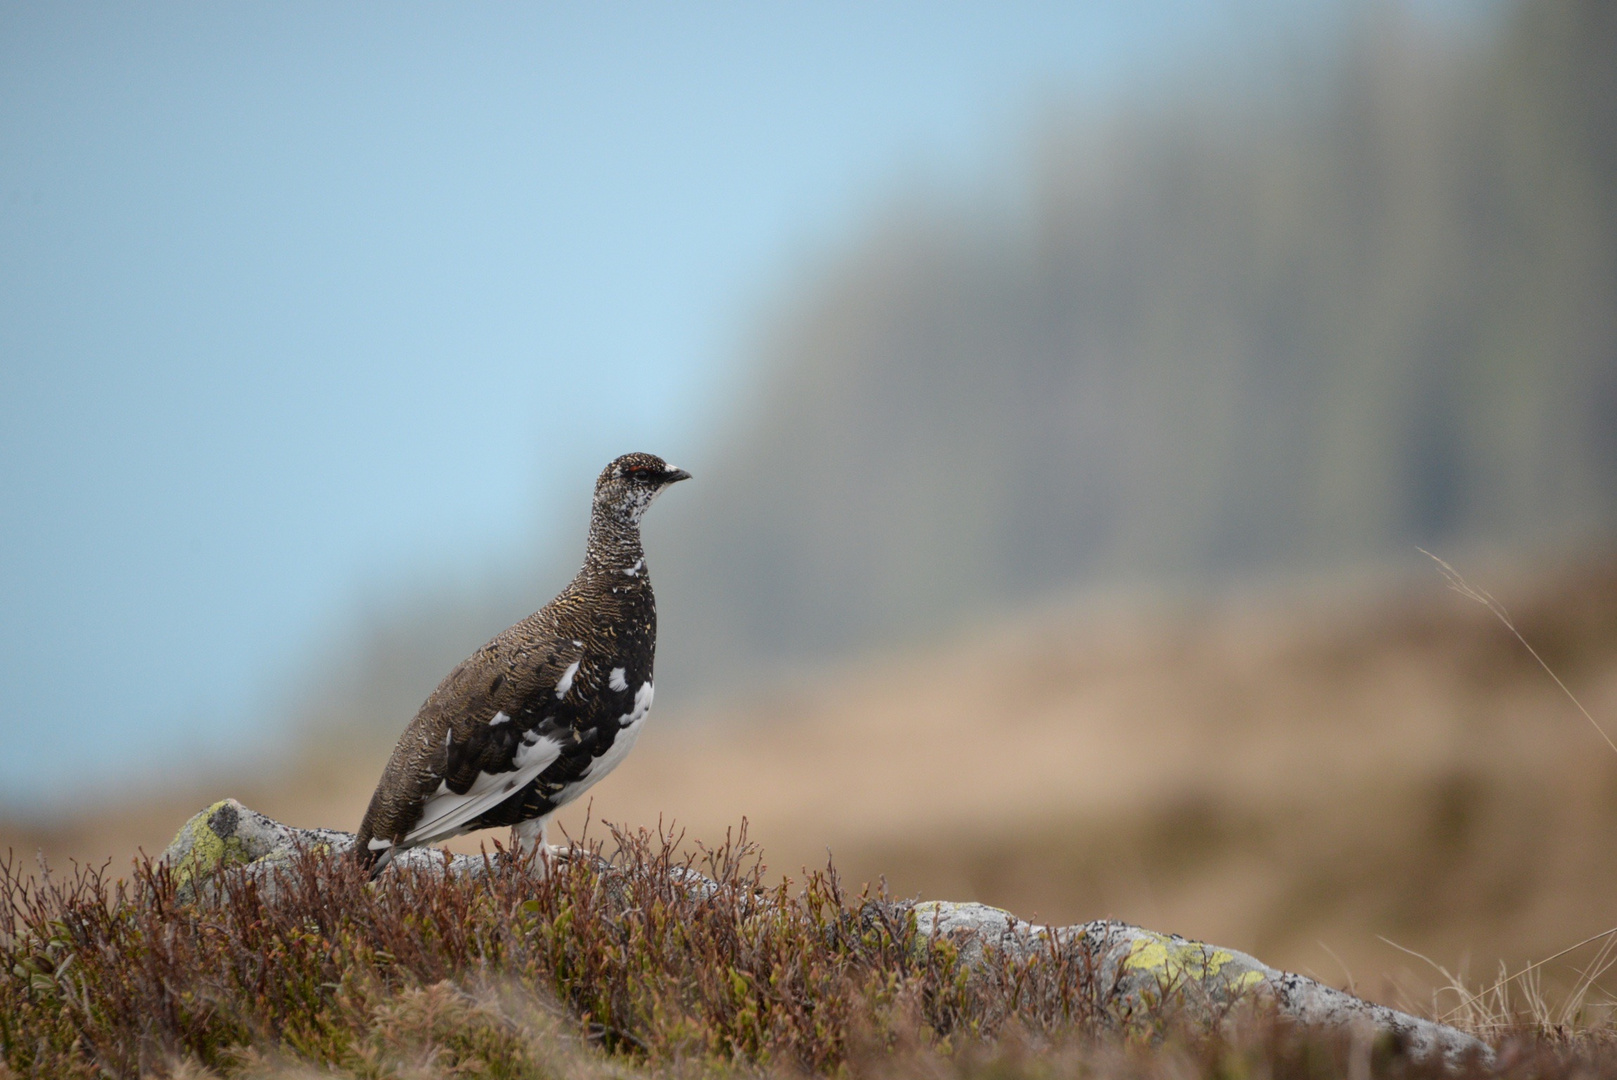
(207, 852)
(1179, 959)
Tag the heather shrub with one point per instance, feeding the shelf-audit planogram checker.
(640, 953)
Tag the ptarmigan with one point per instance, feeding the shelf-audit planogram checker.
(537, 716)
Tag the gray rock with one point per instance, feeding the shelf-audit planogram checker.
(228, 834)
(1141, 970)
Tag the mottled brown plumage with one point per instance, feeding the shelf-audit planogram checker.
(538, 715)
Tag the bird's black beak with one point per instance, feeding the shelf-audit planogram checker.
(674, 476)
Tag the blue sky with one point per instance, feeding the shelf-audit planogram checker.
(301, 303)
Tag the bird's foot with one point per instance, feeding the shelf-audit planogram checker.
(555, 853)
(536, 857)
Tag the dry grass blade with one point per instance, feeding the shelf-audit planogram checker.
(1486, 599)
(1489, 1008)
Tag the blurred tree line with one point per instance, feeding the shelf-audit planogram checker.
(1231, 331)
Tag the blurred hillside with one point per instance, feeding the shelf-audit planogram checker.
(1232, 332)
(1291, 772)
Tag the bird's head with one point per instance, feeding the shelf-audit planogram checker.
(627, 486)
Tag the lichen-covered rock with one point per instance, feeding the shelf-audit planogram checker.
(1142, 972)
(225, 834)
(228, 834)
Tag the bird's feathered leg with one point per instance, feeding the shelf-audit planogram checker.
(533, 841)
(381, 862)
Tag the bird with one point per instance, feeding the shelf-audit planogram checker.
(541, 713)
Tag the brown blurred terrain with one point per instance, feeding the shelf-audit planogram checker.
(1290, 770)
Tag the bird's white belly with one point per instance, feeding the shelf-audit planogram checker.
(630, 724)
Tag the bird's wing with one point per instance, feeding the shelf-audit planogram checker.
(492, 743)
(446, 813)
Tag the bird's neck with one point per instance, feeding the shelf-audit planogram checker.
(614, 548)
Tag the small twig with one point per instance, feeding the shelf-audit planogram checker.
(1483, 597)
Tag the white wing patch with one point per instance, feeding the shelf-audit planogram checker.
(642, 705)
(446, 814)
(498, 718)
(565, 683)
(617, 682)
(630, 724)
